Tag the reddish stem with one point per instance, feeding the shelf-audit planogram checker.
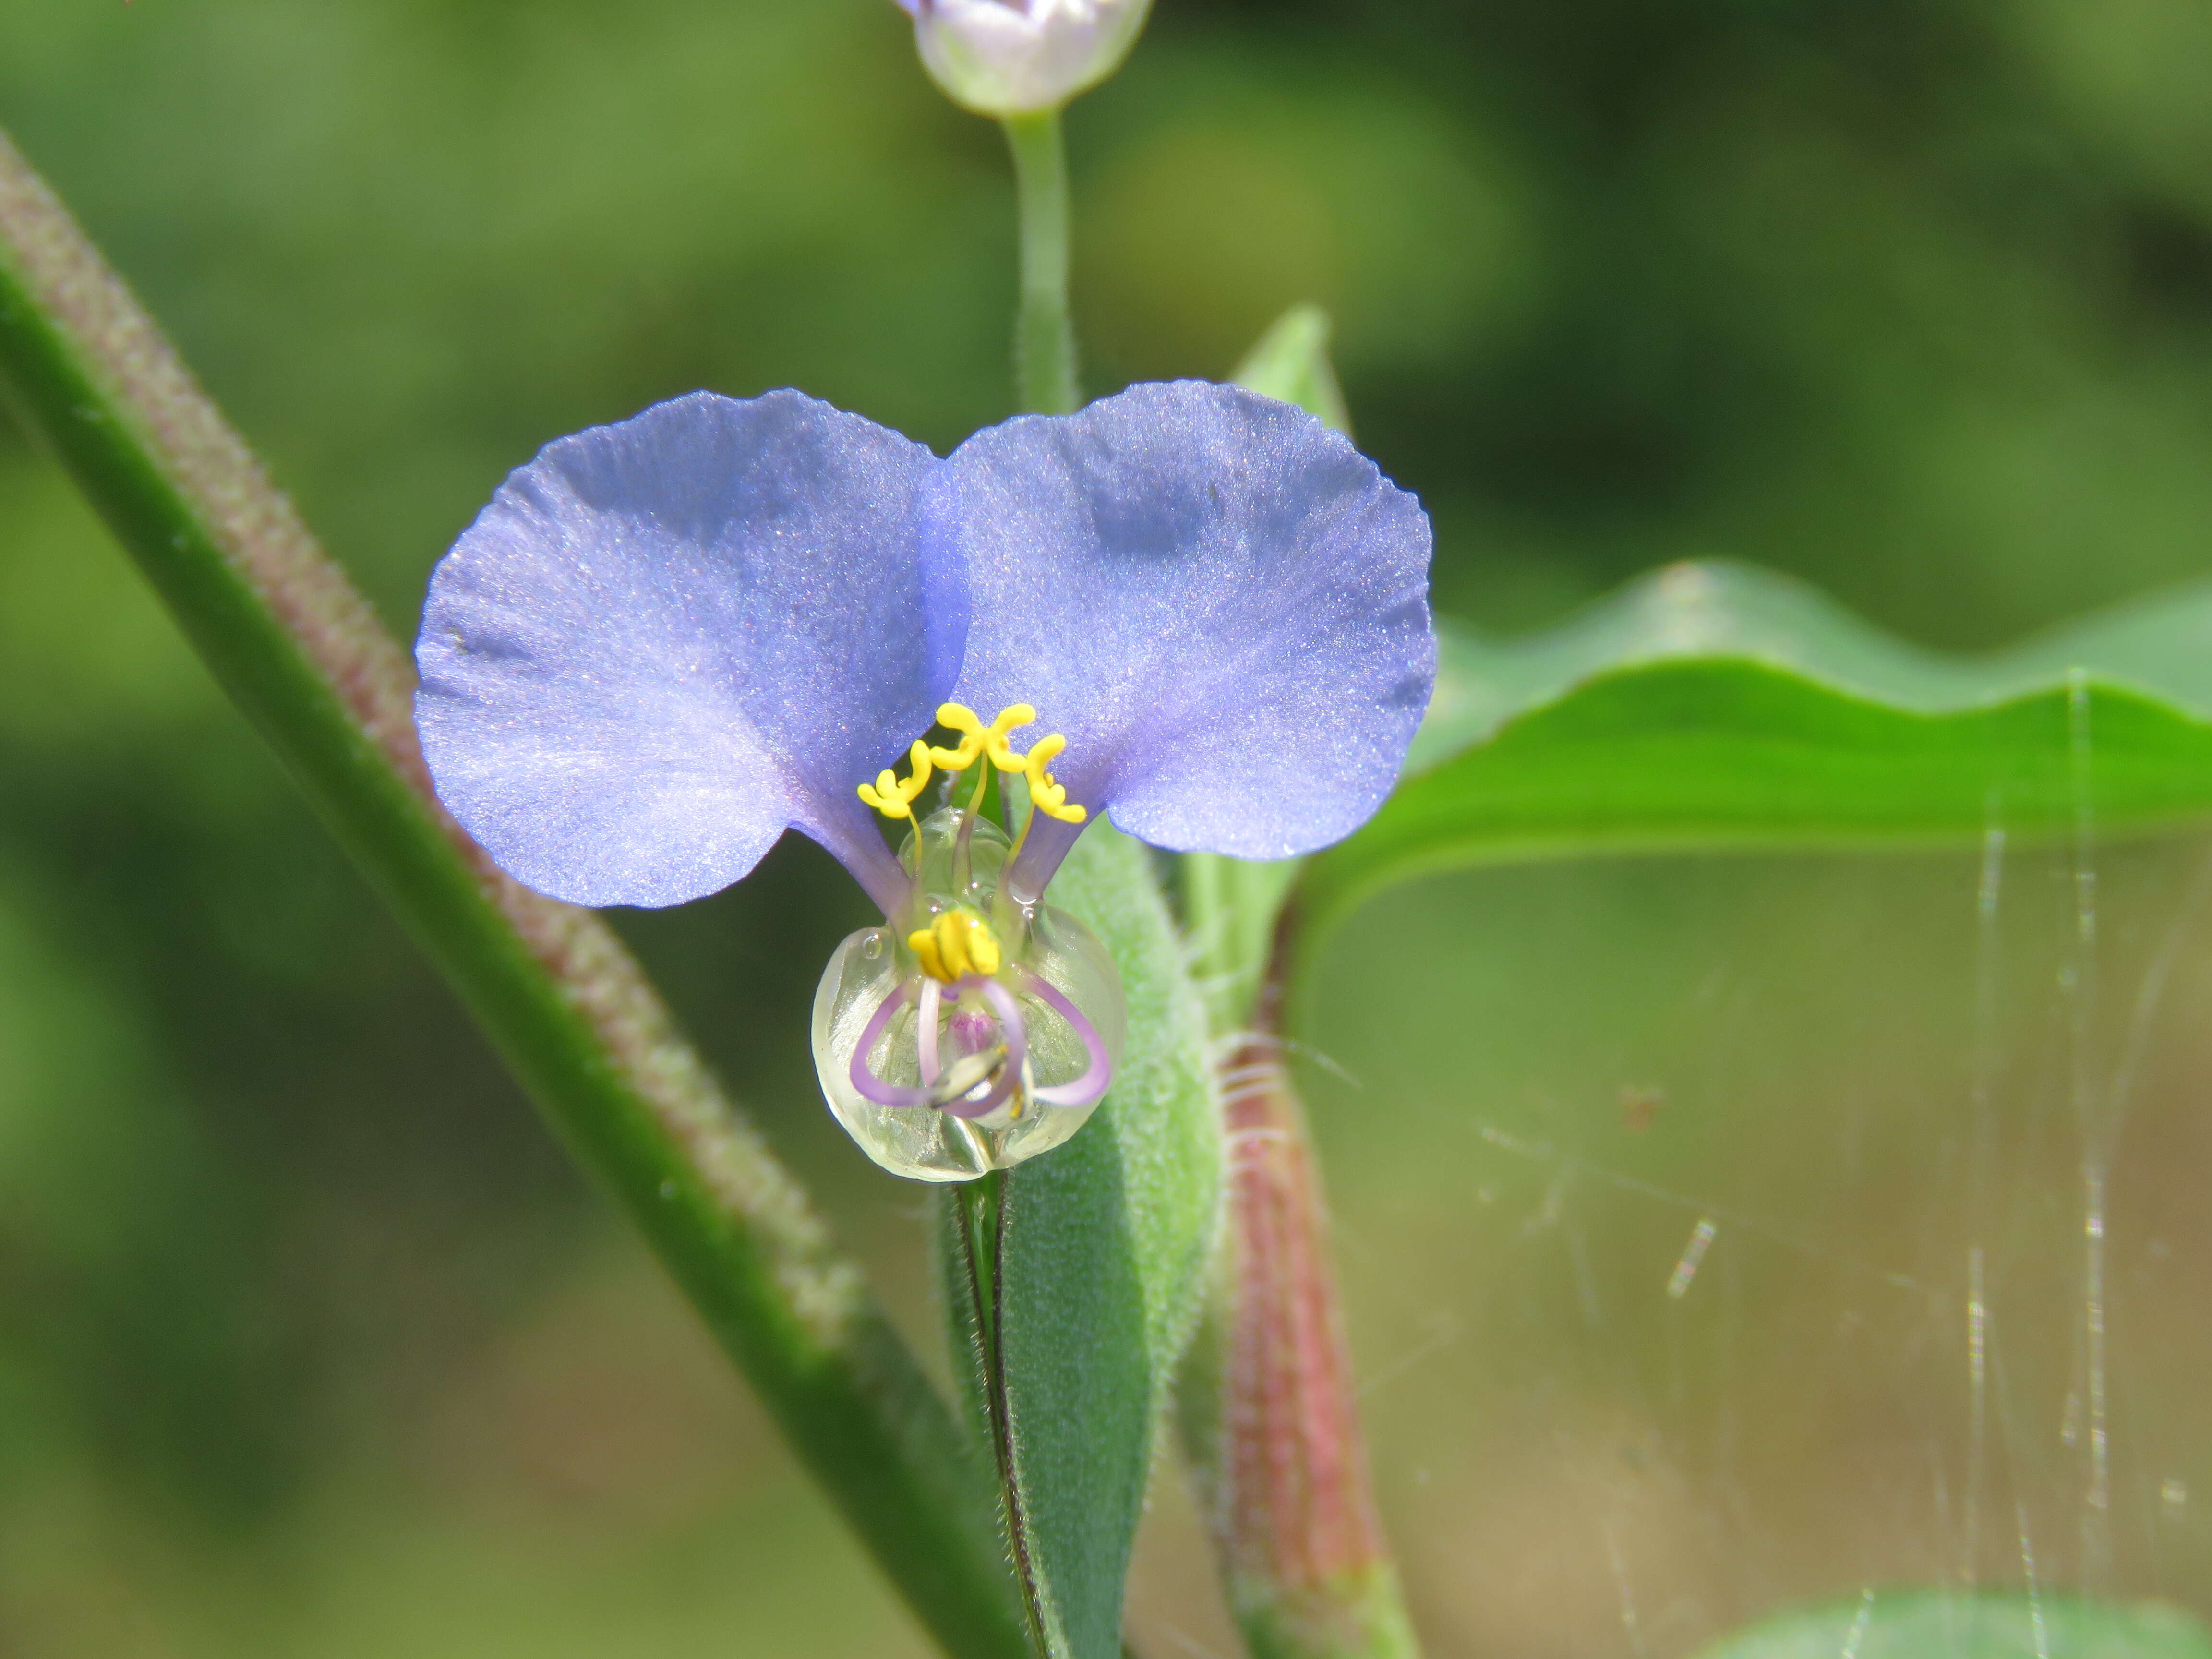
(1308, 1570)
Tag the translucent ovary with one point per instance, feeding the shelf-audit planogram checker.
(920, 1032)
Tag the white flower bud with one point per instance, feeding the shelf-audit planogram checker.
(1020, 57)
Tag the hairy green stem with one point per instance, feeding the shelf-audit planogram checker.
(1044, 337)
(981, 1205)
(307, 660)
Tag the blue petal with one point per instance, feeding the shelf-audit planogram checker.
(667, 640)
(1220, 602)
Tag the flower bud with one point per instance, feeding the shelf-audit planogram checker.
(1021, 57)
(1267, 1405)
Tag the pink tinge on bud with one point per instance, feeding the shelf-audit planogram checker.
(1005, 58)
(1300, 1508)
(1307, 1568)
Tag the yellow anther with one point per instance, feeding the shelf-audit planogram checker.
(957, 944)
(923, 944)
(977, 739)
(1046, 795)
(894, 799)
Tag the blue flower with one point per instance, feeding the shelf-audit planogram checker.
(665, 641)
(1218, 603)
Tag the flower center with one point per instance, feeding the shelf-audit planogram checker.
(894, 796)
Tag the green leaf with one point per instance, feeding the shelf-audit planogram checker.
(306, 659)
(1713, 706)
(1944, 1624)
(1104, 1255)
(1290, 363)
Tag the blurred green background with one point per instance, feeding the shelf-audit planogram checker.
(310, 1344)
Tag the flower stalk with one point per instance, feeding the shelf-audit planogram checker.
(1268, 1409)
(981, 1209)
(1044, 336)
(306, 659)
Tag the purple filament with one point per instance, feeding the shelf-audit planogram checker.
(1086, 1089)
(929, 994)
(863, 1075)
(1016, 1064)
(1007, 1018)
(932, 998)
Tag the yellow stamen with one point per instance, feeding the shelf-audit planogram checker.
(893, 799)
(977, 739)
(1046, 794)
(955, 945)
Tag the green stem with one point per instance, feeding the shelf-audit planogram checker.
(306, 659)
(1044, 338)
(1230, 910)
(981, 1206)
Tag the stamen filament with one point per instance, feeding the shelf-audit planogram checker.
(962, 843)
(1008, 1073)
(863, 1074)
(1083, 1090)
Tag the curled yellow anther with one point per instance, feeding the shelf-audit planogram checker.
(977, 739)
(895, 800)
(891, 797)
(1046, 794)
(957, 944)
